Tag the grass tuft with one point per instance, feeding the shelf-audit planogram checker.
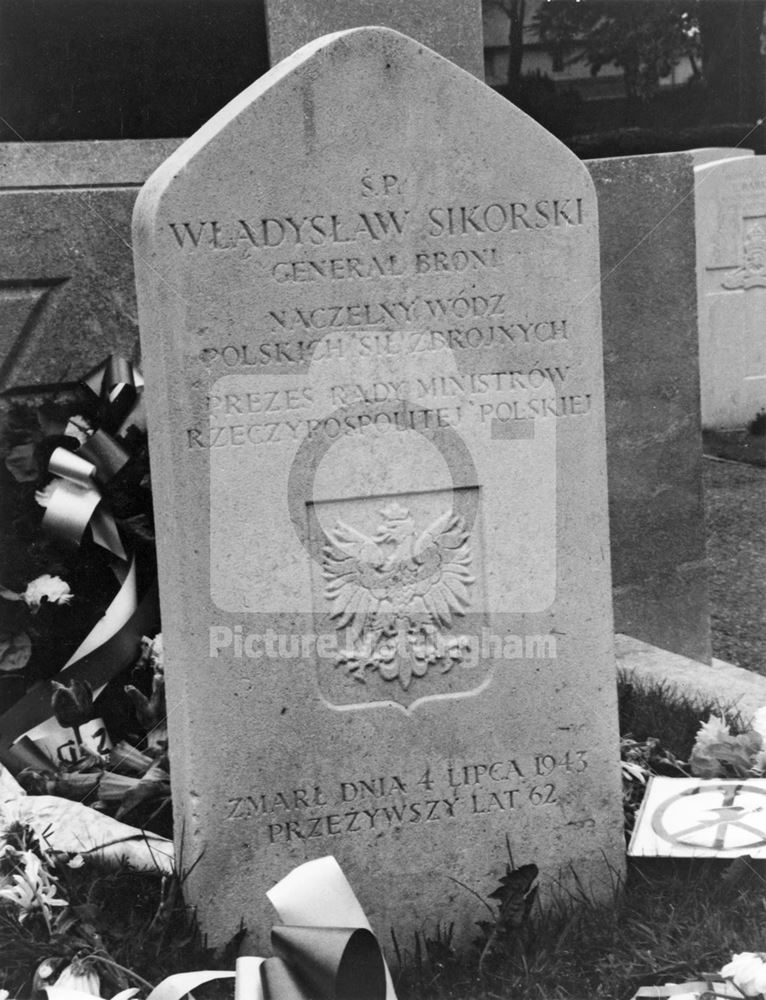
(659, 709)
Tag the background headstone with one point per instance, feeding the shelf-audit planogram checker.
(67, 288)
(453, 28)
(374, 382)
(651, 373)
(730, 198)
(707, 154)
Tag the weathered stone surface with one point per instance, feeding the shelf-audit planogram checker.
(730, 198)
(725, 685)
(651, 371)
(67, 296)
(371, 335)
(67, 288)
(453, 29)
(56, 164)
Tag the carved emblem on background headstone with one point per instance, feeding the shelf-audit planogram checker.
(395, 594)
(752, 274)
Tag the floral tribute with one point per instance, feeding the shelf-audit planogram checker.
(717, 752)
(743, 977)
(83, 740)
(80, 693)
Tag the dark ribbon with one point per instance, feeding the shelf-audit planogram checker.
(116, 385)
(323, 963)
(312, 962)
(75, 501)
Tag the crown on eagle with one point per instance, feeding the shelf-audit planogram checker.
(755, 238)
(394, 512)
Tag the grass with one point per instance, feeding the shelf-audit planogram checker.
(670, 921)
(735, 497)
(673, 922)
(659, 709)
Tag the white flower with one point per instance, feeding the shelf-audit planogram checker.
(634, 771)
(52, 588)
(35, 889)
(759, 723)
(152, 652)
(79, 976)
(78, 427)
(713, 730)
(747, 971)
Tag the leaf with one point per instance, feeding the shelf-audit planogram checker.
(140, 526)
(728, 756)
(702, 765)
(516, 894)
(15, 650)
(22, 463)
(144, 791)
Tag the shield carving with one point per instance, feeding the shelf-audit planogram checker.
(399, 590)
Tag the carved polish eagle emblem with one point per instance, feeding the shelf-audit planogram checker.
(396, 592)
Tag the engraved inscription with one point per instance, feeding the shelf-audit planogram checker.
(391, 343)
(420, 403)
(320, 229)
(452, 790)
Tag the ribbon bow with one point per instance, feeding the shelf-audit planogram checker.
(116, 383)
(73, 502)
(314, 961)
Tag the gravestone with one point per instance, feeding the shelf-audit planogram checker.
(651, 372)
(371, 335)
(707, 154)
(67, 287)
(730, 198)
(453, 29)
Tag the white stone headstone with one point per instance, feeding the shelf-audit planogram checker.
(730, 208)
(369, 308)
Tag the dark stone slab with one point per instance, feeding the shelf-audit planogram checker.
(99, 163)
(651, 366)
(67, 291)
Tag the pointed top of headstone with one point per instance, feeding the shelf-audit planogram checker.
(404, 69)
(450, 27)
